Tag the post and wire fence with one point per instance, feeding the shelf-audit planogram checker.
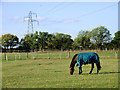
(35, 55)
(53, 55)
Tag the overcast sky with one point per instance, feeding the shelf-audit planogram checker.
(62, 17)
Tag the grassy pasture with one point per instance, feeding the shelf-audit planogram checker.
(54, 73)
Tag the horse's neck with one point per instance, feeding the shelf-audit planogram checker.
(72, 64)
(74, 61)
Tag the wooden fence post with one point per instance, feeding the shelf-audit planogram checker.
(19, 55)
(5, 55)
(68, 54)
(48, 55)
(60, 54)
(27, 54)
(15, 57)
(6, 58)
(115, 54)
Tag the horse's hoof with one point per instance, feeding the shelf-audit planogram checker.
(89, 72)
(97, 72)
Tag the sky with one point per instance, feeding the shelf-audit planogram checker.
(61, 17)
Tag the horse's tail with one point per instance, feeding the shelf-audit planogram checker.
(72, 62)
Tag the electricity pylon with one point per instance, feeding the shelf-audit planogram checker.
(30, 20)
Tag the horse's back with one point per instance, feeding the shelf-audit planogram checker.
(87, 58)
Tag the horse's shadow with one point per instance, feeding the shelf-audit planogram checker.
(108, 72)
(101, 73)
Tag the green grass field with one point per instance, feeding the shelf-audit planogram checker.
(54, 73)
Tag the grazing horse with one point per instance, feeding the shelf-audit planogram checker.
(85, 58)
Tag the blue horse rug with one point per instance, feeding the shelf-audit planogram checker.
(86, 58)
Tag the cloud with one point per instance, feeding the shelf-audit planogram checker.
(65, 21)
(44, 20)
(37, 19)
(51, 21)
(41, 18)
(17, 19)
(70, 20)
(26, 19)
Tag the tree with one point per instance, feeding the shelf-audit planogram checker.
(9, 40)
(26, 42)
(117, 36)
(42, 39)
(62, 41)
(82, 39)
(36, 41)
(51, 41)
(116, 40)
(100, 35)
(67, 41)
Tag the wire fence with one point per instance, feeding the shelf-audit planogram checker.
(48, 55)
(54, 55)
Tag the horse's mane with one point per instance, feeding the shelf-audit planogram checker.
(72, 62)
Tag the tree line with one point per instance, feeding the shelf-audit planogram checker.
(98, 38)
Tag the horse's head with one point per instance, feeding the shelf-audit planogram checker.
(71, 70)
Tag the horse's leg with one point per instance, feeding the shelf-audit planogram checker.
(91, 68)
(80, 70)
(97, 71)
(98, 67)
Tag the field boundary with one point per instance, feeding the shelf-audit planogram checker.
(55, 55)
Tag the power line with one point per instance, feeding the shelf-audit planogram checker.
(83, 14)
(97, 10)
(53, 8)
(90, 13)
